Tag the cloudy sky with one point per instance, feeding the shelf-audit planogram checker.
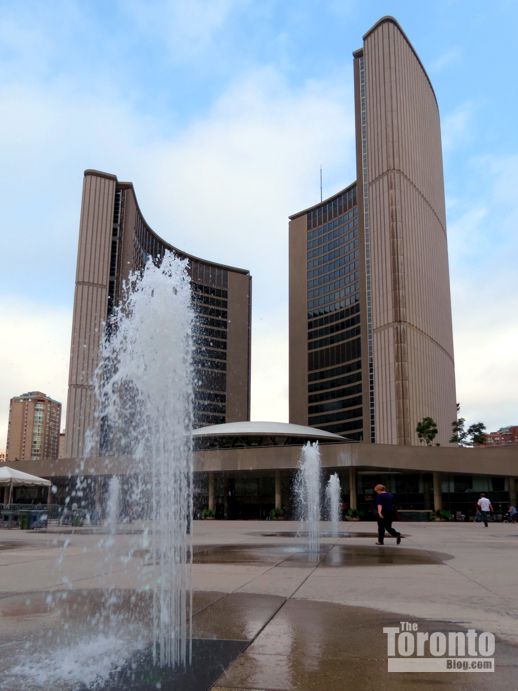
(221, 113)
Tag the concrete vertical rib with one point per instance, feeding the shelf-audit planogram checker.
(90, 303)
(298, 330)
(238, 346)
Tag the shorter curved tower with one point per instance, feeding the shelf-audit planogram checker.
(114, 240)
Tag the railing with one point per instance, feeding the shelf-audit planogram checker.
(53, 510)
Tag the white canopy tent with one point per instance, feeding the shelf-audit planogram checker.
(9, 478)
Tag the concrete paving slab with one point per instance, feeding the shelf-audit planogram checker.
(306, 625)
(314, 646)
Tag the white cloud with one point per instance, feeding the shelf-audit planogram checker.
(187, 29)
(483, 244)
(457, 126)
(220, 188)
(34, 352)
(270, 368)
(225, 186)
(445, 60)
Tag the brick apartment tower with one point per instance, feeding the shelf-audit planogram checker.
(371, 345)
(34, 425)
(114, 239)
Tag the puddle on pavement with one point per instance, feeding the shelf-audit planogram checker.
(12, 545)
(340, 534)
(319, 645)
(330, 555)
(50, 543)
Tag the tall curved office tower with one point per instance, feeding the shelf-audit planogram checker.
(371, 345)
(114, 239)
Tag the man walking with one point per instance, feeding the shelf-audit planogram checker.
(386, 514)
(484, 506)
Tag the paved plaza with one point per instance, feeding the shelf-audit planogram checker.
(265, 616)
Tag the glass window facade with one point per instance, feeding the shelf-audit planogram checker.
(210, 301)
(335, 393)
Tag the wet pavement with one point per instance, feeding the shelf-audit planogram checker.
(330, 555)
(265, 616)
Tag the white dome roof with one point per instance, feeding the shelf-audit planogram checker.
(253, 428)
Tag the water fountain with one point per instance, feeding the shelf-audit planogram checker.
(113, 504)
(143, 423)
(307, 492)
(144, 387)
(333, 502)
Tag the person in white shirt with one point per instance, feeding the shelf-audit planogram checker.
(484, 506)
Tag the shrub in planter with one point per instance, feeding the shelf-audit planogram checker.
(277, 514)
(443, 515)
(352, 515)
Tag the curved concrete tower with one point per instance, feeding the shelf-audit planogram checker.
(394, 289)
(114, 239)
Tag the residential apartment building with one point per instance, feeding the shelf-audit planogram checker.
(371, 346)
(503, 437)
(33, 432)
(114, 240)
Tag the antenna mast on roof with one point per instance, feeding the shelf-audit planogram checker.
(320, 183)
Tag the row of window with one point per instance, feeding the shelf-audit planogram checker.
(212, 353)
(324, 249)
(332, 209)
(205, 363)
(334, 355)
(201, 342)
(336, 229)
(347, 282)
(200, 395)
(335, 338)
(348, 217)
(209, 290)
(334, 327)
(325, 260)
(211, 333)
(331, 406)
(208, 379)
(211, 407)
(316, 420)
(334, 317)
(199, 299)
(334, 270)
(335, 393)
(208, 311)
(333, 302)
(204, 320)
(344, 380)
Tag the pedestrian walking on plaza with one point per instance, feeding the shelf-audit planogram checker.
(386, 514)
(485, 508)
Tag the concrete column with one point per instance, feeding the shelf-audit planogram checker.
(278, 492)
(353, 501)
(437, 496)
(512, 491)
(211, 490)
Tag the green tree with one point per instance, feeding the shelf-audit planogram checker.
(474, 435)
(477, 434)
(426, 430)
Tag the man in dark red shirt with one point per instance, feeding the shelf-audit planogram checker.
(386, 514)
